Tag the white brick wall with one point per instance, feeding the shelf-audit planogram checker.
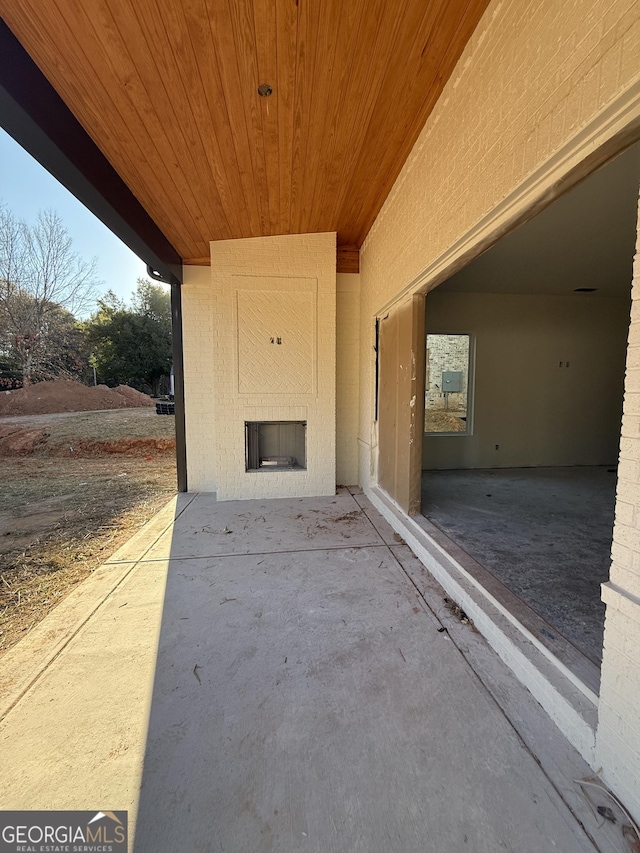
(535, 92)
(347, 377)
(198, 354)
(289, 283)
(618, 737)
(529, 82)
(197, 323)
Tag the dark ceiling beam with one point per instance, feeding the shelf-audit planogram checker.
(348, 259)
(33, 113)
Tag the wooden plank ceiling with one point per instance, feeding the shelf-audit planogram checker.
(168, 90)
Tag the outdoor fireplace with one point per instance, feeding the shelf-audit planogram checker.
(272, 407)
(275, 445)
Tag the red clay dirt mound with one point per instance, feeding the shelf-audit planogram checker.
(15, 440)
(64, 395)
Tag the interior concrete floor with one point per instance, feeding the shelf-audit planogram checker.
(545, 533)
(285, 676)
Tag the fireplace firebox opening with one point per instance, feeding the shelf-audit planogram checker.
(275, 445)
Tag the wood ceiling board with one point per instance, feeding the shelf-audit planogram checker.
(140, 120)
(265, 26)
(195, 114)
(224, 162)
(221, 28)
(348, 259)
(76, 89)
(409, 76)
(417, 82)
(285, 92)
(170, 102)
(334, 142)
(133, 115)
(382, 27)
(168, 91)
(373, 40)
(243, 29)
(121, 125)
(337, 52)
(307, 77)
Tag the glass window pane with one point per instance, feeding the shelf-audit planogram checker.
(447, 384)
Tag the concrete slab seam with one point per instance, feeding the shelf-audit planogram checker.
(21, 693)
(569, 718)
(224, 556)
(589, 694)
(486, 689)
(185, 500)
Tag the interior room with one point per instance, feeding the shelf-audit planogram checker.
(524, 387)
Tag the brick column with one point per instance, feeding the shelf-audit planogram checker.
(618, 737)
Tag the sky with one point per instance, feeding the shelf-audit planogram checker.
(26, 188)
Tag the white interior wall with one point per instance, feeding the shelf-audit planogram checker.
(537, 412)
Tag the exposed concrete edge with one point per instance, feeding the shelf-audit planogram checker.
(622, 600)
(131, 550)
(554, 644)
(571, 705)
(23, 665)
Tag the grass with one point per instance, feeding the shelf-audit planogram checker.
(60, 518)
(107, 426)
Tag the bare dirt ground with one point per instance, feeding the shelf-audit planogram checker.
(73, 434)
(441, 420)
(75, 487)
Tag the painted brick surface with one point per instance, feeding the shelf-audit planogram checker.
(618, 737)
(197, 320)
(347, 377)
(285, 365)
(198, 354)
(534, 93)
(528, 83)
(262, 291)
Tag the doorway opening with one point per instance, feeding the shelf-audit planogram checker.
(529, 492)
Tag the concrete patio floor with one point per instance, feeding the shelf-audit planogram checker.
(283, 676)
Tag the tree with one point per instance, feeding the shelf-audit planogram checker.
(43, 283)
(153, 301)
(133, 345)
(60, 350)
(10, 374)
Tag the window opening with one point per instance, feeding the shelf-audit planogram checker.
(447, 404)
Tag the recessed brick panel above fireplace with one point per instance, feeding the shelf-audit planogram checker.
(277, 337)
